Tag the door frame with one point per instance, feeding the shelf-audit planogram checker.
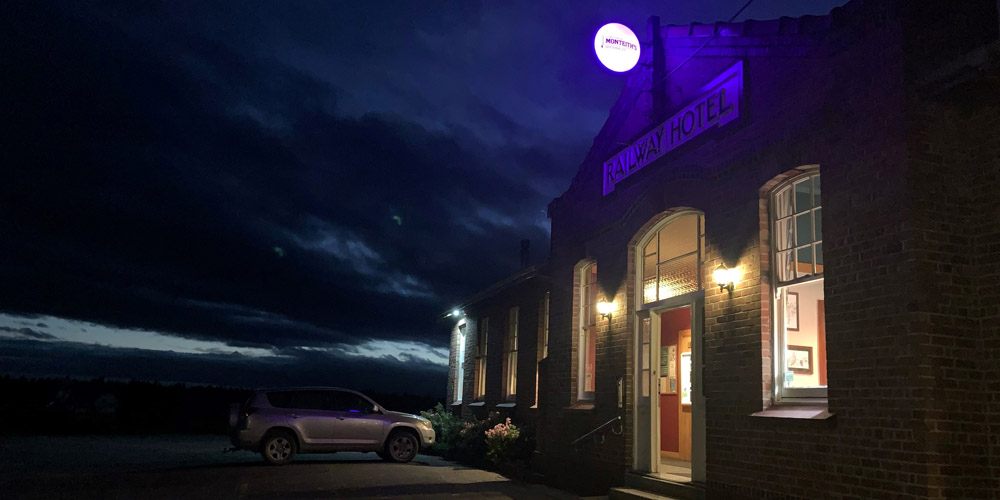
(696, 302)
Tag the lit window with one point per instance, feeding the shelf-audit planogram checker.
(800, 313)
(460, 364)
(543, 339)
(671, 259)
(587, 343)
(511, 382)
(481, 335)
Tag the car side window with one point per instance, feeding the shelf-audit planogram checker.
(350, 402)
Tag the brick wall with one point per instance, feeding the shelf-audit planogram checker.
(911, 277)
(528, 295)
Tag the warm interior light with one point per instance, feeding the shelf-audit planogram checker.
(725, 277)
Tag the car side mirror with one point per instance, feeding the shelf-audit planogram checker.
(375, 410)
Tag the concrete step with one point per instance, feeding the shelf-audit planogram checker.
(664, 487)
(634, 494)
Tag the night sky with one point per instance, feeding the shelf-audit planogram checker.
(274, 193)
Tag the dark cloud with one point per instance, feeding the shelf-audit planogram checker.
(287, 174)
(294, 367)
(27, 333)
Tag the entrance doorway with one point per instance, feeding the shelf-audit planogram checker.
(675, 394)
(669, 404)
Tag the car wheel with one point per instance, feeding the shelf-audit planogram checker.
(401, 446)
(278, 448)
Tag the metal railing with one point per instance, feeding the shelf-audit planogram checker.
(600, 427)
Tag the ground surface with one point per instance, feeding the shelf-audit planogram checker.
(181, 467)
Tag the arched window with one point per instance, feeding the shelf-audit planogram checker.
(800, 312)
(671, 258)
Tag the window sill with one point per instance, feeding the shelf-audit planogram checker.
(457, 403)
(506, 405)
(478, 403)
(581, 405)
(796, 411)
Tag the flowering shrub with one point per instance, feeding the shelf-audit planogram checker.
(500, 441)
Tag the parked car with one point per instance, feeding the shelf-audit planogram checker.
(281, 423)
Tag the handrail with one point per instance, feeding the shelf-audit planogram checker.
(599, 427)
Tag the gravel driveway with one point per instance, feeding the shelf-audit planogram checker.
(177, 467)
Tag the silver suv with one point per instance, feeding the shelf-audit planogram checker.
(280, 423)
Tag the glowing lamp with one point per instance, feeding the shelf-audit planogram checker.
(725, 277)
(605, 309)
(617, 47)
(456, 313)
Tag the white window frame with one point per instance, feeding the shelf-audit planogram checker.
(510, 383)
(543, 340)
(588, 324)
(780, 392)
(460, 363)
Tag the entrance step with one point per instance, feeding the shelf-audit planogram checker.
(652, 487)
(634, 494)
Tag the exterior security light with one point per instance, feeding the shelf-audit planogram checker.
(605, 309)
(725, 277)
(456, 313)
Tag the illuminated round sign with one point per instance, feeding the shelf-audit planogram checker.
(617, 47)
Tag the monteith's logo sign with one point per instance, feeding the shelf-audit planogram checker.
(717, 106)
(619, 44)
(617, 47)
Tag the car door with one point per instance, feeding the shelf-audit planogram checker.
(308, 411)
(358, 427)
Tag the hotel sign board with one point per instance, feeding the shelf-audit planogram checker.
(718, 105)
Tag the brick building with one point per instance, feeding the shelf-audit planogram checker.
(762, 158)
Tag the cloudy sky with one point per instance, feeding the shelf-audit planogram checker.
(269, 193)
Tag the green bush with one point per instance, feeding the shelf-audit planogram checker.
(446, 427)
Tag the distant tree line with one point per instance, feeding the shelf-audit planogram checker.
(74, 406)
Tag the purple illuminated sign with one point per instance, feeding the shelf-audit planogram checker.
(717, 106)
(617, 47)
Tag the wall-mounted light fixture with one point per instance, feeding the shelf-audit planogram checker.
(456, 313)
(726, 277)
(605, 308)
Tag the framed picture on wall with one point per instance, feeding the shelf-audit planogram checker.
(792, 311)
(799, 359)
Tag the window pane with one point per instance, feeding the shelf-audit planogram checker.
(645, 383)
(803, 196)
(816, 200)
(818, 224)
(803, 229)
(678, 277)
(804, 354)
(591, 345)
(803, 261)
(783, 233)
(783, 203)
(645, 356)
(649, 291)
(649, 267)
(650, 247)
(819, 258)
(784, 266)
(679, 237)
